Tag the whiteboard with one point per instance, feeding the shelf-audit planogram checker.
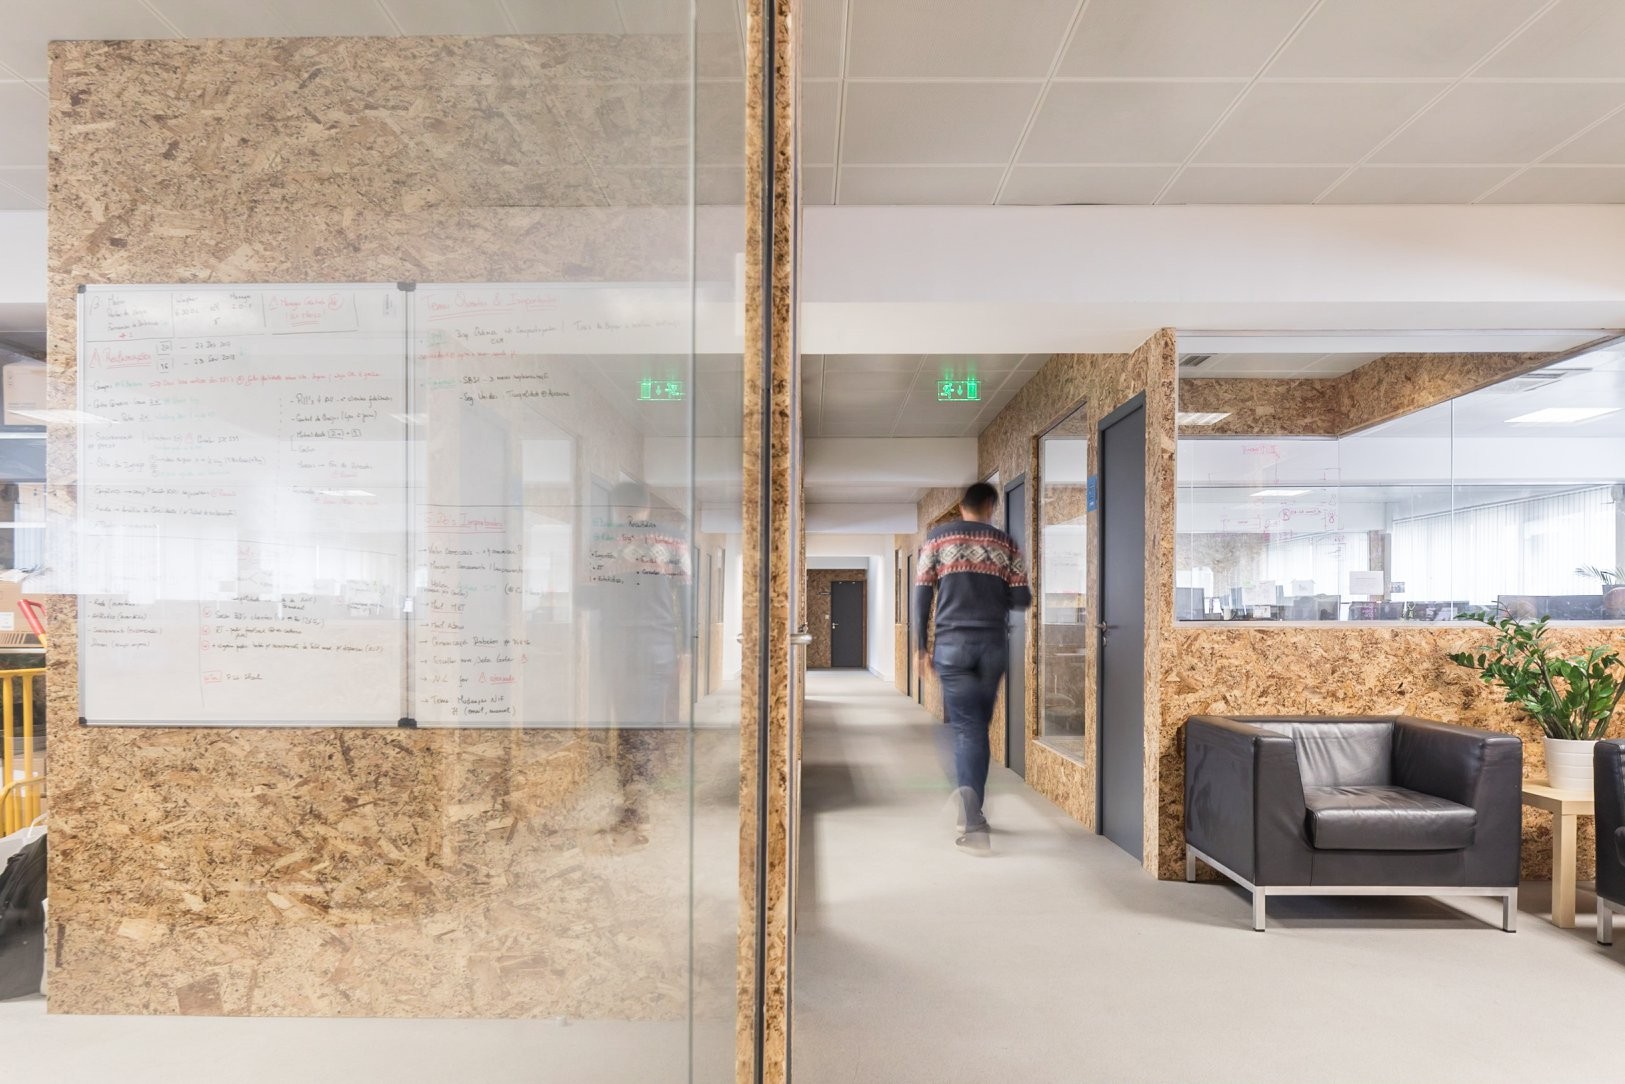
(363, 504)
(503, 375)
(243, 504)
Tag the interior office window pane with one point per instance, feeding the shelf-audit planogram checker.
(1301, 498)
(1063, 580)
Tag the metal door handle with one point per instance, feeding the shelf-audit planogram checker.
(1104, 628)
(801, 639)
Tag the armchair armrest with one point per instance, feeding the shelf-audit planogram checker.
(1244, 800)
(1610, 795)
(1477, 768)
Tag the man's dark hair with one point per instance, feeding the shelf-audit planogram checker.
(979, 499)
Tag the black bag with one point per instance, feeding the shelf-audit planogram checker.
(22, 921)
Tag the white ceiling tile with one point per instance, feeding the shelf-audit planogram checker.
(1181, 38)
(720, 186)
(22, 125)
(817, 186)
(1056, 185)
(823, 37)
(1251, 184)
(1418, 184)
(924, 416)
(1137, 123)
(1602, 145)
(27, 27)
(13, 199)
(30, 183)
(317, 18)
(1575, 40)
(837, 399)
(212, 19)
(940, 185)
(820, 107)
(934, 123)
(571, 17)
(1564, 184)
(1400, 38)
(856, 423)
(659, 16)
(1483, 123)
(466, 17)
(1010, 39)
(872, 380)
(1304, 123)
(896, 363)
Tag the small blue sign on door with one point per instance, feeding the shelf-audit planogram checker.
(1092, 492)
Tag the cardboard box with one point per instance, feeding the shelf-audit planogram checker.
(12, 593)
(22, 387)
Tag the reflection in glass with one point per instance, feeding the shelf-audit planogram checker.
(1064, 580)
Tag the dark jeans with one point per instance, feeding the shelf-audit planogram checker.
(970, 666)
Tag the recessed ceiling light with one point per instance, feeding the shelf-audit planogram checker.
(1201, 418)
(1280, 493)
(1561, 415)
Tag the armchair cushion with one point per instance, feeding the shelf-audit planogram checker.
(1385, 818)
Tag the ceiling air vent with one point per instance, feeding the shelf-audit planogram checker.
(1192, 361)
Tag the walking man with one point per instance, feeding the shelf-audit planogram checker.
(976, 574)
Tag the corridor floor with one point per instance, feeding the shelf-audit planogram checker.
(1058, 960)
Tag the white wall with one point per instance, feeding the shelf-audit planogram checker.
(872, 552)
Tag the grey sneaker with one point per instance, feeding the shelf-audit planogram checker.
(961, 803)
(976, 843)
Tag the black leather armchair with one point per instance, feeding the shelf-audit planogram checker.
(1610, 768)
(1368, 805)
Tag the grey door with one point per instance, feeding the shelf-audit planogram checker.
(1122, 628)
(846, 605)
(1015, 685)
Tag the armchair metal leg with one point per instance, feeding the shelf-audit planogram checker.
(1605, 922)
(1258, 909)
(1509, 912)
(1190, 864)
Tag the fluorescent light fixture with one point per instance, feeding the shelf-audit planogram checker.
(62, 417)
(1201, 418)
(1561, 415)
(345, 493)
(1280, 493)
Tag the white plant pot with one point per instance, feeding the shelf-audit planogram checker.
(1568, 763)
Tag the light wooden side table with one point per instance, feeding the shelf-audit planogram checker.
(1566, 808)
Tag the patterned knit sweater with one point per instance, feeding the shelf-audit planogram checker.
(977, 575)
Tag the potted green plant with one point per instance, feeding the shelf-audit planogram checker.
(1613, 587)
(1572, 697)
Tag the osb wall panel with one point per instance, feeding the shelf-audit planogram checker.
(1380, 390)
(770, 262)
(355, 872)
(1346, 670)
(1099, 384)
(818, 612)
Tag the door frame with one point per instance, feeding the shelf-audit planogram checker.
(1026, 617)
(1137, 402)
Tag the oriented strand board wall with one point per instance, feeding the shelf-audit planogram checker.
(357, 872)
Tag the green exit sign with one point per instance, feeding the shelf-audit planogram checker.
(660, 391)
(968, 390)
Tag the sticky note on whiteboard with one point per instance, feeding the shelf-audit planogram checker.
(1367, 583)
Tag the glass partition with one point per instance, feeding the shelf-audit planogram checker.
(457, 561)
(1401, 486)
(1063, 582)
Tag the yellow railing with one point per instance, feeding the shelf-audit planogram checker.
(19, 797)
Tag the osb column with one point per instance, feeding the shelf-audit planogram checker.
(770, 549)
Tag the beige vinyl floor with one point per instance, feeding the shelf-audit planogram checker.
(1058, 960)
